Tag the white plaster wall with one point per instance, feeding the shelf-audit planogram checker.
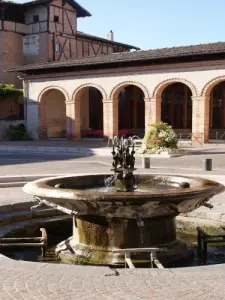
(32, 122)
(197, 76)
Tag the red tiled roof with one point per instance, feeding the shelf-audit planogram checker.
(93, 37)
(81, 12)
(148, 56)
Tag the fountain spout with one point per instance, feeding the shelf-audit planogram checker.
(123, 165)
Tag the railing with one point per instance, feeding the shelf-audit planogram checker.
(218, 137)
(26, 242)
(190, 138)
(152, 251)
(204, 239)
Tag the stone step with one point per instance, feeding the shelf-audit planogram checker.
(12, 184)
(22, 205)
(4, 229)
(104, 151)
(25, 178)
(20, 181)
(10, 217)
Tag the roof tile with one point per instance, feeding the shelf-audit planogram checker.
(144, 55)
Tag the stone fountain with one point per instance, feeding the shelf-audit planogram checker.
(120, 210)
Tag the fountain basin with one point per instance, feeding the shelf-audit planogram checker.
(105, 219)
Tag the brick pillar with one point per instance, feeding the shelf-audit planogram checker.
(77, 121)
(110, 118)
(147, 113)
(70, 120)
(152, 111)
(84, 109)
(200, 118)
(43, 122)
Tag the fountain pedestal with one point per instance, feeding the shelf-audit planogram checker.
(94, 238)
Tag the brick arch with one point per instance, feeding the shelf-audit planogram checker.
(54, 87)
(210, 85)
(162, 85)
(118, 87)
(82, 111)
(87, 85)
(52, 113)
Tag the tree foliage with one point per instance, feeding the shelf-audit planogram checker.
(7, 90)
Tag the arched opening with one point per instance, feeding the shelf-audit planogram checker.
(176, 107)
(217, 107)
(53, 114)
(131, 111)
(91, 112)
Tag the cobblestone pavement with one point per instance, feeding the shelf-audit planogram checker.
(25, 280)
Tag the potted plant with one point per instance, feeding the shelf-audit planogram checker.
(160, 139)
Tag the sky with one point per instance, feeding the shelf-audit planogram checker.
(150, 24)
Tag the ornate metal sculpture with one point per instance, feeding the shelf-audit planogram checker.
(123, 165)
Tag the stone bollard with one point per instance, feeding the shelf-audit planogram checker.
(146, 162)
(207, 164)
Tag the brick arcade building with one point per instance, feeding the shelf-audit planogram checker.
(124, 92)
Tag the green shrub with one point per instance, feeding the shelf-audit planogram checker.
(160, 137)
(10, 90)
(18, 133)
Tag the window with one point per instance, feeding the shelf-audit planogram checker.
(56, 19)
(57, 47)
(36, 18)
(30, 44)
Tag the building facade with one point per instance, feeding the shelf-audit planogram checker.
(123, 93)
(43, 31)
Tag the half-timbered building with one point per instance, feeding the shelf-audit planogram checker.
(41, 31)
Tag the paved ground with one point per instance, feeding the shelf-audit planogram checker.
(97, 143)
(84, 143)
(19, 164)
(23, 280)
(54, 282)
(89, 147)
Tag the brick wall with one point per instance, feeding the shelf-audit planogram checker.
(11, 54)
(9, 107)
